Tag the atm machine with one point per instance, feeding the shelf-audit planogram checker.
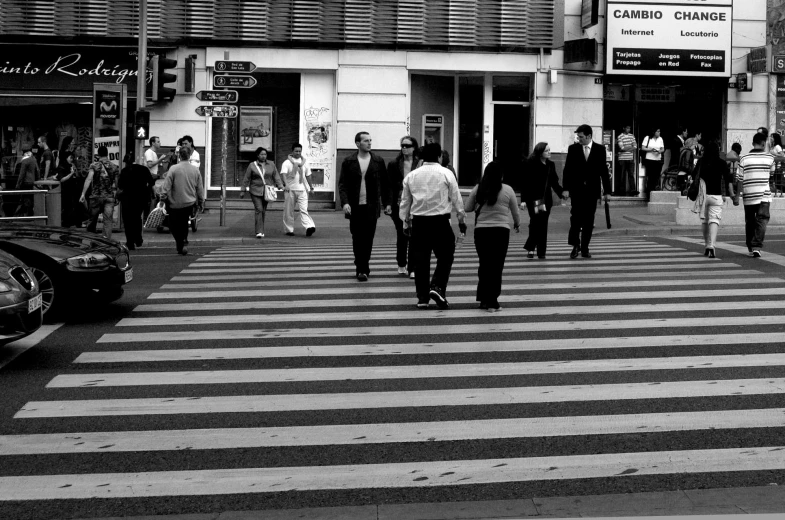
(432, 129)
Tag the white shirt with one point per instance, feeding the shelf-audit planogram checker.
(653, 142)
(430, 190)
(195, 159)
(151, 156)
(292, 180)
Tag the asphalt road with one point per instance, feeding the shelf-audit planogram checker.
(250, 378)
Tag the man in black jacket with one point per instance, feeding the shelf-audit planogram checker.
(360, 189)
(585, 174)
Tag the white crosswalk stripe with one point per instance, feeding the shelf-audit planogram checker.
(284, 350)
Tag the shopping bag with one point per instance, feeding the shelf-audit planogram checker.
(156, 217)
(270, 195)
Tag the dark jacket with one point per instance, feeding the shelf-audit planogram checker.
(135, 182)
(392, 183)
(351, 178)
(585, 178)
(533, 183)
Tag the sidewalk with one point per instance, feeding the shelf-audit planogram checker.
(332, 227)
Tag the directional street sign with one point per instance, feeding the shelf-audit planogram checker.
(217, 111)
(234, 66)
(225, 96)
(234, 81)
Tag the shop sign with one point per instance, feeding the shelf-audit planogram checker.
(44, 67)
(744, 82)
(434, 120)
(616, 93)
(778, 64)
(669, 37)
(107, 106)
(656, 94)
(758, 60)
(112, 145)
(590, 13)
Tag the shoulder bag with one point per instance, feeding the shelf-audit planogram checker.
(270, 195)
(539, 204)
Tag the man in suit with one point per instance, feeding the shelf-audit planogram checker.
(585, 174)
(360, 189)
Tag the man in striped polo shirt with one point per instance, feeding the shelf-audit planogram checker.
(754, 171)
(627, 146)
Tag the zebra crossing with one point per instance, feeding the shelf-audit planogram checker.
(267, 373)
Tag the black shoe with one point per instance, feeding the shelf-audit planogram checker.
(310, 231)
(183, 251)
(422, 304)
(362, 277)
(706, 252)
(530, 254)
(130, 246)
(289, 234)
(139, 244)
(586, 255)
(437, 295)
(575, 252)
(711, 253)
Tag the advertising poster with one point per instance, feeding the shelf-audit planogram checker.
(112, 145)
(669, 37)
(256, 128)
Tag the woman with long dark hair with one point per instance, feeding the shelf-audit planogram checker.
(539, 179)
(716, 180)
(493, 203)
(392, 186)
(260, 173)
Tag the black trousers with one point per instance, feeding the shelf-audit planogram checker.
(362, 224)
(178, 225)
(132, 220)
(582, 221)
(756, 218)
(432, 235)
(653, 170)
(403, 253)
(491, 244)
(538, 231)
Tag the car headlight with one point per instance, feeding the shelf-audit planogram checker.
(4, 287)
(89, 261)
(121, 261)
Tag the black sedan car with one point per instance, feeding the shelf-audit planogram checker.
(68, 263)
(20, 300)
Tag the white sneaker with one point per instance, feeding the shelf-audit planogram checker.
(259, 235)
(402, 270)
(756, 253)
(411, 275)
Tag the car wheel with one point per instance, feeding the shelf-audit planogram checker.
(48, 287)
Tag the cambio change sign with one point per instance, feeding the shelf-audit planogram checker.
(669, 37)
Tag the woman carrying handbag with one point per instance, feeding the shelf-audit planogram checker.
(263, 178)
(539, 178)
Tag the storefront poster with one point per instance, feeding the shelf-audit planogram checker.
(256, 128)
(112, 145)
(669, 37)
(780, 124)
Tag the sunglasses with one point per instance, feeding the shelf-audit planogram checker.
(404, 145)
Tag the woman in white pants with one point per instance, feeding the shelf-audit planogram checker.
(716, 180)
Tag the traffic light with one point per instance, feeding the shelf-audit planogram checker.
(141, 125)
(161, 77)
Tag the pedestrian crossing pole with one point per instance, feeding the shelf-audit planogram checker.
(141, 76)
(224, 156)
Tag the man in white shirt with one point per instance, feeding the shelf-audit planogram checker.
(152, 160)
(430, 194)
(296, 175)
(194, 158)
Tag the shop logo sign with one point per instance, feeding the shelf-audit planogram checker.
(108, 108)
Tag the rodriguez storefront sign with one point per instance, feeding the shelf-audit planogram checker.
(43, 67)
(669, 37)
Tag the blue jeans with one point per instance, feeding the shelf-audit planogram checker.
(98, 205)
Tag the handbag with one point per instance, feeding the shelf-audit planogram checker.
(270, 195)
(539, 204)
(692, 192)
(156, 217)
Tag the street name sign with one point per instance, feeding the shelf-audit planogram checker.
(225, 96)
(234, 66)
(217, 111)
(234, 81)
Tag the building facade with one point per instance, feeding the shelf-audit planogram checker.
(488, 79)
